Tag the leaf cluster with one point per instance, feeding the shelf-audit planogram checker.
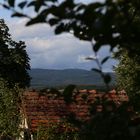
(114, 23)
(58, 131)
(9, 110)
(14, 61)
(128, 73)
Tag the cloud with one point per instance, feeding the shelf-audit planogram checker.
(57, 52)
(20, 31)
(47, 50)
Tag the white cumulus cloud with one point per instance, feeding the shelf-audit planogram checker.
(47, 50)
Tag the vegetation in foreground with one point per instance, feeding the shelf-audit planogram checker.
(115, 23)
(14, 63)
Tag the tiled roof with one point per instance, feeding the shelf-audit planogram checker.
(41, 109)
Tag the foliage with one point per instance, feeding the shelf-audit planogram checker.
(128, 72)
(113, 22)
(111, 121)
(68, 93)
(14, 61)
(128, 75)
(58, 131)
(9, 110)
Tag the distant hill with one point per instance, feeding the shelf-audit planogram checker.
(42, 78)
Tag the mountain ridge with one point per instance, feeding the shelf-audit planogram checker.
(54, 78)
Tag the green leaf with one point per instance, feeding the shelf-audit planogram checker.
(11, 3)
(96, 70)
(18, 15)
(37, 7)
(32, 3)
(53, 0)
(107, 78)
(96, 5)
(105, 59)
(80, 7)
(39, 4)
(22, 4)
(38, 19)
(5, 6)
(68, 92)
(59, 29)
(90, 58)
(53, 21)
(96, 47)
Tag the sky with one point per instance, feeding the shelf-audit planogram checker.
(49, 51)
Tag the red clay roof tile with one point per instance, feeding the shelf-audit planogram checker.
(39, 109)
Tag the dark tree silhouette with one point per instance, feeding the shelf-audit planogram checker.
(14, 61)
(113, 22)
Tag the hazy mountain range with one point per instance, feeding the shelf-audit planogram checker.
(42, 78)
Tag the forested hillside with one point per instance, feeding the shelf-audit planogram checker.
(51, 78)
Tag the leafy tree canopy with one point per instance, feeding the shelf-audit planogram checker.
(128, 77)
(113, 22)
(14, 61)
(128, 72)
(9, 110)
